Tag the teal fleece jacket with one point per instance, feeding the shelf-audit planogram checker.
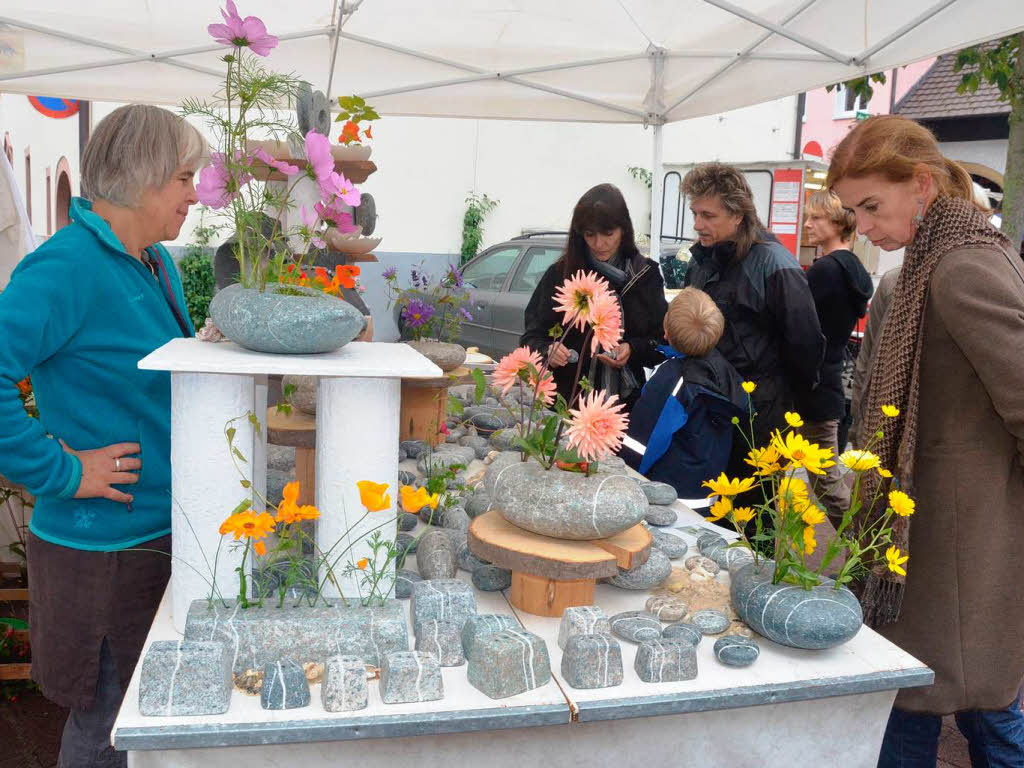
(78, 315)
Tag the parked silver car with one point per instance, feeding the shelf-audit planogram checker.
(504, 277)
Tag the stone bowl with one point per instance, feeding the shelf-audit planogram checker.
(302, 321)
(815, 619)
(444, 355)
(561, 504)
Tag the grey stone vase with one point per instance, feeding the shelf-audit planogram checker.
(561, 504)
(822, 617)
(443, 354)
(284, 323)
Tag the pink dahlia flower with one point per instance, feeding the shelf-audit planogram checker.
(597, 426)
(506, 375)
(605, 319)
(237, 32)
(575, 296)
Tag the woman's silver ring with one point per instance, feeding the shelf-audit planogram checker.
(117, 465)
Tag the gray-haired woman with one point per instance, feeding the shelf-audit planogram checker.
(78, 315)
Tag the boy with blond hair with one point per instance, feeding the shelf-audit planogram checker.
(681, 430)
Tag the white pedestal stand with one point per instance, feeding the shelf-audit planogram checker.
(357, 439)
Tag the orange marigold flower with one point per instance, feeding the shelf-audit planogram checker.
(248, 524)
(260, 548)
(361, 565)
(350, 132)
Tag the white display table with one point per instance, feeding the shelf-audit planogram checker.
(356, 439)
(791, 708)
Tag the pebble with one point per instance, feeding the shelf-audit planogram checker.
(659, 493)
(709, 621)
(699, 561)
(407, 676)
(669, 543)
(344, 686)
(582, 620)
(454, 435)
(405, 544)
(658, 515)
(488, 422)
(406, 522)
(435, 555)
(402, 454)
(504, 439)
(406, 477)
(635, 626)
(709, 542)
(732, 557)
(478, 502)
(592, 661)
(477, 443)
(284, 686)
(682, 630)
(445, 456)
(491, 578)
(455, 517)
(736, 651)
(404, 580)
(467, 560)
(441, 640)
(430, 515)
(481, 625)
(413, 448)
(650, 574)
(667, 607)
(665, 661)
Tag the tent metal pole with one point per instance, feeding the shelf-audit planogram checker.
(885, 42)
(657, 174)
(336, 35)
(745, 53)
(778, 29)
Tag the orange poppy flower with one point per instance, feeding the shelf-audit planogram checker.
(361, 565)
(374, 496)
(248, 524)
(260, 547)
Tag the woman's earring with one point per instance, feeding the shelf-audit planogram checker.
(919, 216)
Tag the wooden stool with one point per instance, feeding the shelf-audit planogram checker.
(550, 575)
(298, 430)
(425, 406)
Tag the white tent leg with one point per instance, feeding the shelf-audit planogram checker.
(657, 174)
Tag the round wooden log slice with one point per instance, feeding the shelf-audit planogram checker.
(496, 540)
(296, 429)
(459, 376)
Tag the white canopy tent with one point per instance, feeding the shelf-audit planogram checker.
(640, 61)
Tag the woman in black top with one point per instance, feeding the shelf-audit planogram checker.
(841, 288)
(601, 240)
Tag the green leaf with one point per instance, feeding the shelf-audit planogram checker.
(245, 483)
(230, 433)
(243, 505)
(556, 331)
(481, 385)
(550, 428)
(455, 406)
(238, 453)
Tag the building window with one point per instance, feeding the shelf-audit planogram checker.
(847, 103)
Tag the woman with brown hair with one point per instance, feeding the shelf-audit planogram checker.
(949, 358)
(601, 240)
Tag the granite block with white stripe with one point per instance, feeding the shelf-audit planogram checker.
(409, 676)
(592, 661)
(344, 686)
(284, 686)
(509, 662)
(185, 678)
(482, 624)
(444, 599)
(582, 620)
(665, 661)
(442, 640)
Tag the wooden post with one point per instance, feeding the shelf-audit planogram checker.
(549, 597)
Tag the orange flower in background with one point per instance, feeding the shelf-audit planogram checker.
(307, 512)
(346, 274)
(374, 496)
(415, 499)
(288, 509)
(350, 132)
(25, 386)
(248, 524)
(367, 133)
(361, 565)
(260, 548)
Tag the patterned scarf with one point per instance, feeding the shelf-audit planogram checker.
(950, 224)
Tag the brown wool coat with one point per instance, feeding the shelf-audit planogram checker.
(963, 610)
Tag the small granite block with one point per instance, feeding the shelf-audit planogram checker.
(658, 493)
(665, 661)
(435, 555)
(185, 678)
(409, 676)
(442, 641)
(636, 626)
(404, 579)
(659, 515)
(508, 662)
(481, 625)
(445, 599)
(491, 578)
(592, 661)
(284, 686)
(344, 686)
(736, 651)
(709, 621)
(582, 620)
(682, 630)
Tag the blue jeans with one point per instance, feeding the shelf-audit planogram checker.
(995, 738)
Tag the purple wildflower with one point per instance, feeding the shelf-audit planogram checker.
(465, 313)
(454, 276)
(390, 273)
(417, 313)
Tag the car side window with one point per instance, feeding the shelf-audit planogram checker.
(488, 272)
(533, 267)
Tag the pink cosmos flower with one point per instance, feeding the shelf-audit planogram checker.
(348, 191)
(318, 152)
(575, 296)
(597, 426)
(312, 222)
(605, 319)
(216, 187)
(267, 159)
(237, 32)
(342, 220)
(507, 374)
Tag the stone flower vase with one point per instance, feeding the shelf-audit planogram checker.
(822, 617)
(561, 504)
(283, 322)
(443, 354)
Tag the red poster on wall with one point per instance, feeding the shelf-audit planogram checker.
(787, 197)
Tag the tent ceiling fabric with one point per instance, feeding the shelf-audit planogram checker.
(588, 60)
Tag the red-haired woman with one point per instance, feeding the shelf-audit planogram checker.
(950, 358)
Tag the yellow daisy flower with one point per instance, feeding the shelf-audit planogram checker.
(723, 486)
(809, 541)
(891, 411)
(743, 515)
(901, 504)
(796, 449)
(884, 473)
(720, 509)
(792, 495)
(895, 561)
(859, 461)
(749, 387)
(813, 516)
(793, 419)
(765, 461)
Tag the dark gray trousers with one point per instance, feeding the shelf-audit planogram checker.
(85, 742)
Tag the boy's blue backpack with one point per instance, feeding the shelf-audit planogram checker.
(680, 430)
